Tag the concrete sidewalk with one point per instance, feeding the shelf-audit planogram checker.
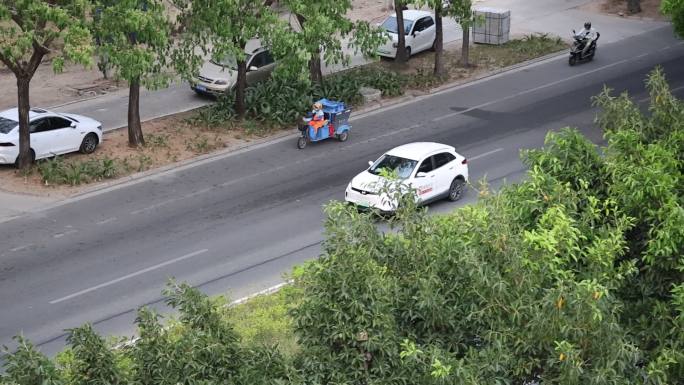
(556, 17)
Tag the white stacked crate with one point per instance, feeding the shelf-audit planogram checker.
(493, 25)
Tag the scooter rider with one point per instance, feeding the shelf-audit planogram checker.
(588, 35)
(317, 119)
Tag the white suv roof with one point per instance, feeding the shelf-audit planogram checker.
(419, 150)
(413, 14)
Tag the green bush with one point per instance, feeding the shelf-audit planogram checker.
(55, 171)
(263, 321)
(282, 101)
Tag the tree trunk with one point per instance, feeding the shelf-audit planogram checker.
(315, 70)
(240, 87)
(439, 45)
(465, 48)
(633, 6)
(135, 135)
(24, 160)
(400, 57)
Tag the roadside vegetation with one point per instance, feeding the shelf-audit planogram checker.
(572, 276)
(280, 102)
(272, 106)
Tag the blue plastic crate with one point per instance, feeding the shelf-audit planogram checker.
(331, 106)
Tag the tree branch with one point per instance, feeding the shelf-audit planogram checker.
(11, 65)
(36, 58)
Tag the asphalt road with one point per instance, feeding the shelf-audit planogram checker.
(237, 222)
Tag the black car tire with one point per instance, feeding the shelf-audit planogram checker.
(456, 189)
(89, 144)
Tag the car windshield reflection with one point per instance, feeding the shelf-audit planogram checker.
(389, 163)
(390, 25)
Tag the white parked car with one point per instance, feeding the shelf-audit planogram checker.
(433, 170)
(218, 76)
(51, 134)
(419, 28)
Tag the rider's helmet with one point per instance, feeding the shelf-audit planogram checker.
(317, 106)
(587, 25)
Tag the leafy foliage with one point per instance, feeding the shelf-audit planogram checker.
(323, 28)
(93, 361)
(219, 29)
(134, 36)
(56, 171)
(32, 29)
(573, 276)
(27, 366)
(675, 10)
(281, 102)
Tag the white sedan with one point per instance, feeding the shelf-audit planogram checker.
(419, 30)
(51, 134)
(433, 170)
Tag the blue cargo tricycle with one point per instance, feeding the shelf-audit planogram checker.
(336, 118)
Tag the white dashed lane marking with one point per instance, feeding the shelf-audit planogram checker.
(125, 277)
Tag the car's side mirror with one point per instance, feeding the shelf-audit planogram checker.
(370, 162)
(421, 175)
(72, 125)
(573, 31)
(253, 68)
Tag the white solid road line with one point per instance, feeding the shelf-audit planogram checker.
(485, 154)
(269, 290)
(143, 271)
(437, 119)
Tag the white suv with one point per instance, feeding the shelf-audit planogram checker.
(435, 171)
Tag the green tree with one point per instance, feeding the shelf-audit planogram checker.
(324, 26)
(134, 36)
(27, 366)
(221, 28)
(462, 11)
(438, 7)
(93, 360)
(30, 30)
(675, 10)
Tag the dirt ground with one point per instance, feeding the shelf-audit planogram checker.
(168, 140)
(650, 9)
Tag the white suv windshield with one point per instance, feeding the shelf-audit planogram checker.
(6, 125)
(390, 163)
(390, 25)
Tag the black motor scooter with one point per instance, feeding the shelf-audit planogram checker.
(577, 48)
